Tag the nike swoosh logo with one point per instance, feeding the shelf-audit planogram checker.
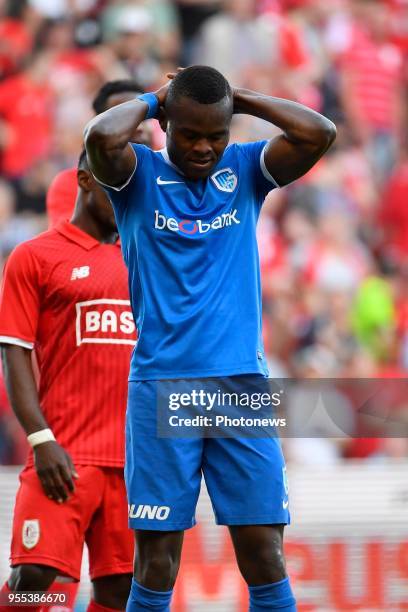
(160, 181)
(285, 504)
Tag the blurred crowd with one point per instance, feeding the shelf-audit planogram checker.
(333, 246)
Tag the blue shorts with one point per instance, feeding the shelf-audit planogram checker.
(245, 478)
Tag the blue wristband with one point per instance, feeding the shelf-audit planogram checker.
(152, 104)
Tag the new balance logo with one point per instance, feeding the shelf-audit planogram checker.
(149, 512)
(197, 226)
(81, 272)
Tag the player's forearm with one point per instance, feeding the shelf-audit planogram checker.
(107, 137)
(21, 388)
(299, 123)
(114, 128)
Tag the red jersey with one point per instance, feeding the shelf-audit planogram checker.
(66, 295)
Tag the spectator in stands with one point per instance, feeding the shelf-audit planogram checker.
(132, 40)
(393, 212)
(16, 37)
(371, 86)
(26, 117)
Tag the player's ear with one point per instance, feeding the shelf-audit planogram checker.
(163, 119)
(85, 179)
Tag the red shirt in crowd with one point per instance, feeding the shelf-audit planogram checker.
(65, 295)
(375, 73)
(393, 214)
(26, 108)
(15, 43)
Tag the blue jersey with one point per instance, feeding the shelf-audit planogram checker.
(192, 255)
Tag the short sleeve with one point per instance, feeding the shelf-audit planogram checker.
(20, 299)
(254, 153)
(119, 196)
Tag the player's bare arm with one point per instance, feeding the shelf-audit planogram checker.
(306, 134)
(53, 464)
(107, 137)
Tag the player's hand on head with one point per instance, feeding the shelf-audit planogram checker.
(161, 93)
(55, 470)
(171, 75)
(237, 109)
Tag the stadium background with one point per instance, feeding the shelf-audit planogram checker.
(333, 246)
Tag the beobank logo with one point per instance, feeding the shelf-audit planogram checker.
(105, 321)
(195, 226)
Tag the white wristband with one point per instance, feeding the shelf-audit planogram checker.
(39, 437)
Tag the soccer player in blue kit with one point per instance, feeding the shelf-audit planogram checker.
(187, 217)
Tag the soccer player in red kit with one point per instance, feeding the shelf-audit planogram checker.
(65, 296)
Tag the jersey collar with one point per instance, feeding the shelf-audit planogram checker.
(166, 157)
(75, 234)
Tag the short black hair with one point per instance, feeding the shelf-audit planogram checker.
(114, 87)
(203, 84)
(83, 161)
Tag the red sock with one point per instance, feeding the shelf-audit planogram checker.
(70, 590)
(95, 607)
(4, 593)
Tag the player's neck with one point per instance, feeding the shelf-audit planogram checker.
(89, 226)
